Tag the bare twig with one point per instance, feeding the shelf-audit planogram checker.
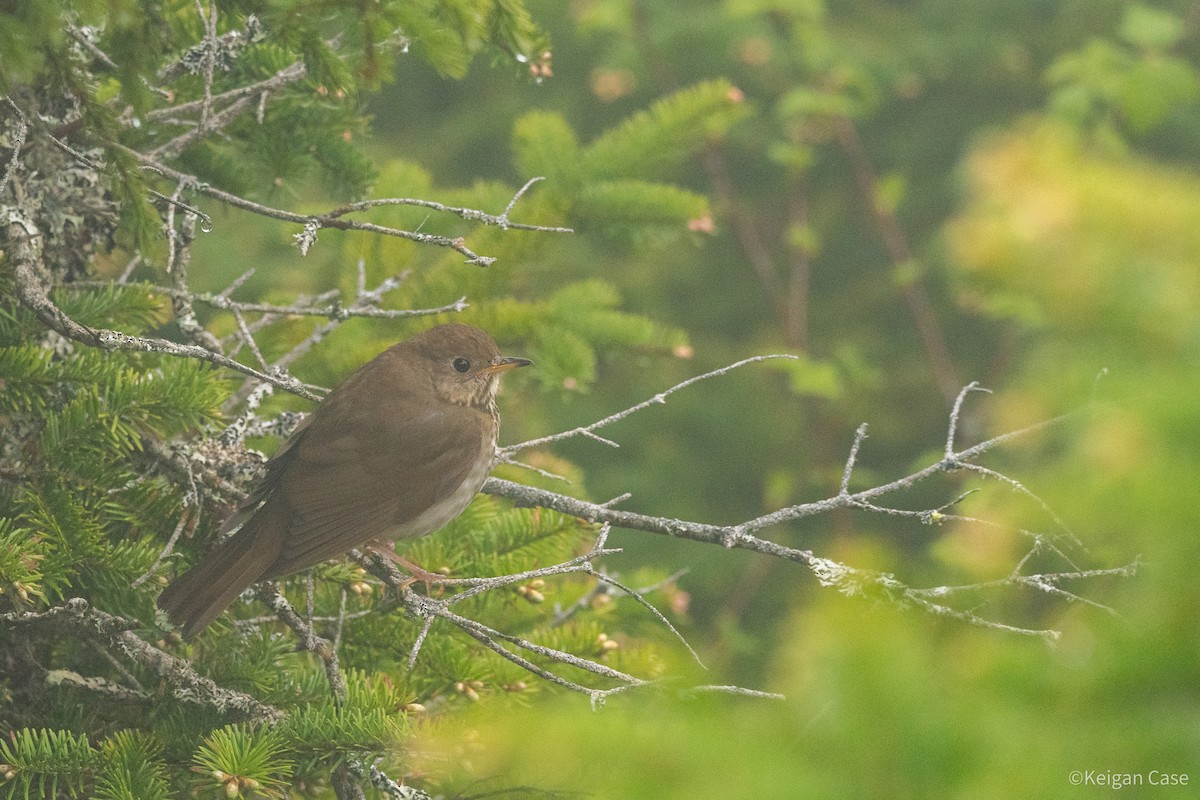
(25, 255)
(312, 223)
(210, 59)
(740, 535)
(269, 593)
(221, 119)
(430, 609)
(602, 588)
(187, 521)
(956, 413)
(473, 215)
(1043, 582)
(179, 256)
(302, 308)
(82, 38)
(505, 453)
(289, 74)
(846, 579)
(18, 142)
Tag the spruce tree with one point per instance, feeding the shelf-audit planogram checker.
(135, 405)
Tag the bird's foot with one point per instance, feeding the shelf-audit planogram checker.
(417, 574)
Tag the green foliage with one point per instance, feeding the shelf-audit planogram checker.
(544, 144)
(244, 762)
(83, 515)
(131, 769)
(652, 141)
(491, 540)
(632, 200)
(41, 763)
(1134, 87)
(325, 735)
(21, 555)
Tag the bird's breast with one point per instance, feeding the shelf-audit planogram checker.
(438, 515)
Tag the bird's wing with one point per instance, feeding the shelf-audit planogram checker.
(356, 474)
(269, 480)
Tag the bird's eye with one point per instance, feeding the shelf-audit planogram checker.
(461, 364)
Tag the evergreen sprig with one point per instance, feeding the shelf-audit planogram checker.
(40, 763)
(131, 768)
(244, 762)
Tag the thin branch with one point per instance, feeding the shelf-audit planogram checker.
(1020, 488)
(83, 40)
(650, 607)
(859, 436)
(210, 59)
(289, 74)
(102, 686)
(312, 223)
(470, 214)
(736, 690)
(1043, 582)
(895, 241)
(505, 453)
(25, 256)
(187, 521)
(218, 121)
(179, 256)
(956, 413)
(269, 593)
(602, 588)
(18, 143)
(77, 618)
(333, 311)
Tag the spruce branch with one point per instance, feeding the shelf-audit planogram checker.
(289, 74)
(76, 617)
(31, 291)
(509, 646)
(269, 593)
(844, 578)
(313, 223)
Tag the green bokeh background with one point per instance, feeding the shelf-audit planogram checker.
(1041, 159)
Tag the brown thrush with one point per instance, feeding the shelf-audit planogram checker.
(396, 451)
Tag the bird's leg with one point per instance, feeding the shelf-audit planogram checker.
(416, 573)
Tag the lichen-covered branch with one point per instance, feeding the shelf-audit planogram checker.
(77, 618)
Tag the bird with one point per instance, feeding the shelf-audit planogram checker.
(395, 451)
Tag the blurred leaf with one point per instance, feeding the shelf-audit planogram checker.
(1150, 28)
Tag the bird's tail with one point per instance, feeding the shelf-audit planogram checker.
(198, 596)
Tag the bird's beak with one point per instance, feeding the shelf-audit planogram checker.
(502, 363)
